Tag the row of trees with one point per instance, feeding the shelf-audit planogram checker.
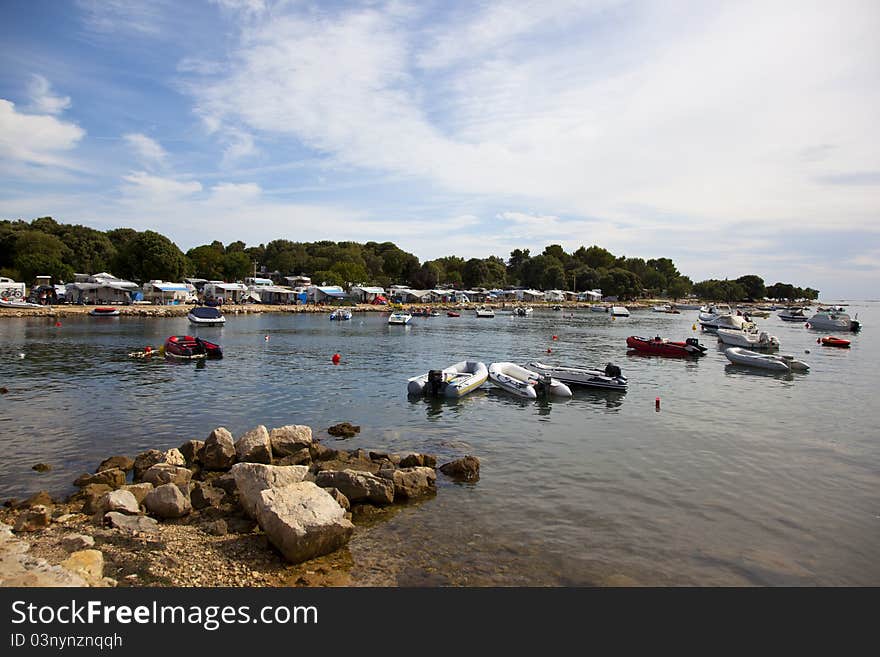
(47, 247)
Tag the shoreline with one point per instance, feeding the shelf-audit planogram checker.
(115, 532)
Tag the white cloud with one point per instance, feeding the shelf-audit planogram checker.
(142, 184)
(43, 101)
(148, 150)
(36, 139)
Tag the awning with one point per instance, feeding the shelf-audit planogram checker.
(333, 293)
(171, 287)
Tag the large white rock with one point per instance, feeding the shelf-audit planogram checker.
(165, 473)
(302, 520)
(167, 501)
(120, 500)
(290, 439)
(254, 446)
(252, 478)
(414, 482)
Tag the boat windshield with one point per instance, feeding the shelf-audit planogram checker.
(206, 312)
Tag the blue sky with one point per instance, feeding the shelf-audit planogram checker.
(734, 138)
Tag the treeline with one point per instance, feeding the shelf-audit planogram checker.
(46, 247)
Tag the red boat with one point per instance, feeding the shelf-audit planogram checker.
(660, 347)
(452, 313)
(832, 341)
(189, 348)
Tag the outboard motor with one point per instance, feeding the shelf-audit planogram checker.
(696, 346)
(543, 385)
(435, 383)
(612, 370)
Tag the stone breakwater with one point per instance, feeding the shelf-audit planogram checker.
(218, 512)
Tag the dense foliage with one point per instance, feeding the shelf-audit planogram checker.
(46, 247)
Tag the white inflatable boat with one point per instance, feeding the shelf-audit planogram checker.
(609, 378)
(782, 363)
(524, 382)
(454, 381)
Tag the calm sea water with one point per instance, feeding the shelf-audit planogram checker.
(742, 477)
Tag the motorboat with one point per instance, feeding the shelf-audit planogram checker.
(687, 306)
(659, 347)
(206, 316)
(340, 315)
(754, 312)
(526, 383)
(729, 321)
(484, 312)
(452, 313)
(749, 340)
(609, 378)
(793, 315)
(598, 308)
(832, 341)
(833, 321)
(454, 381)
(11, 303)
(619, 311)
(661, 308)
(712, 310)
(104, 311)
(522, 311)
(781, 363)
(399, 318)
(187, 347)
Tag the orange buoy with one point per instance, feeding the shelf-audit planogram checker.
(336, 358)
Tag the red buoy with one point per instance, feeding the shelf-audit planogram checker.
(657, 403)
(549, 351)
(336, 358)
(555, 337)
(57, 324)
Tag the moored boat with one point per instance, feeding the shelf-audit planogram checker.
(399, 318)
(781, 363)
(793, 315)
(728, 321)
(12, 303)
(522, 311)
(832, 341)
(746, 339)
(452, 313)
(104, 311)
(340, 315)
(525, 383)
(659, 347)
(454, 381)
(833, 321)
(609, 378)
(187, 347)
(619, 311)
(206, 316)
(484, 312)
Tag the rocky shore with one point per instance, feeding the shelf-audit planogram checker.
(272, 508)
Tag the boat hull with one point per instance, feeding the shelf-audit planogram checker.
(523, 382)
(747, 340)
(187, 347)
(590, 378)
(832, 341)
(740, 356)
(453, 382)
(104, 312)
(665, 348)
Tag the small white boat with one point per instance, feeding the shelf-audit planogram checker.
(6, 303)
(619, 311)
(104, 311)
(454, 381)
(598, 308)
(833, 321)
(609, 378)
(522, 311)
(206, 316)
(733, 322)
(525, 383)
(757, 313)
(793, 315)
(786, 363)
(713, 310)
(340, 315)
(661, 309)
(399, 318)
(484, 312)
(737, 338)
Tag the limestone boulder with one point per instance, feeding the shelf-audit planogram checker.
(122, 462)
(165, 473)
(302, 521)
(88, 564)
(413, 459)
(34, 519)
(122, 501)
(410, 483)
(192, 451)
(139, 490)
(89, 496)
(358, 486)
(131, 523)
(254, 446)
(204, 495)
(463, 469)
(174, 456)
(76, 542)
(113, 477)
(167, 501)
(290, 439)
(219, 450)
(252, 478)
(146, 460)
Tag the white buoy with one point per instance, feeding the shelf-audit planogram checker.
(21, 355)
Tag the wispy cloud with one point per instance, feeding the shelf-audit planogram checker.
(147, 150)
(124, 16)
(43, 101)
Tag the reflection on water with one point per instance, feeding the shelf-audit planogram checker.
(737, 481)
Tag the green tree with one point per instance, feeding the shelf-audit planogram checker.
(475, 274)
(496, 272)
(595, 257)
(679, 287)
(753, 286)
(41, 254)
(90, 251)
(207, 262)
(620, 283)
(151, 256)
(516, 262)
(236, 266)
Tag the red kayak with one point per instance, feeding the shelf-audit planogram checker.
(190, 348)
(452, 313)
(660, 347)
(832, 341)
